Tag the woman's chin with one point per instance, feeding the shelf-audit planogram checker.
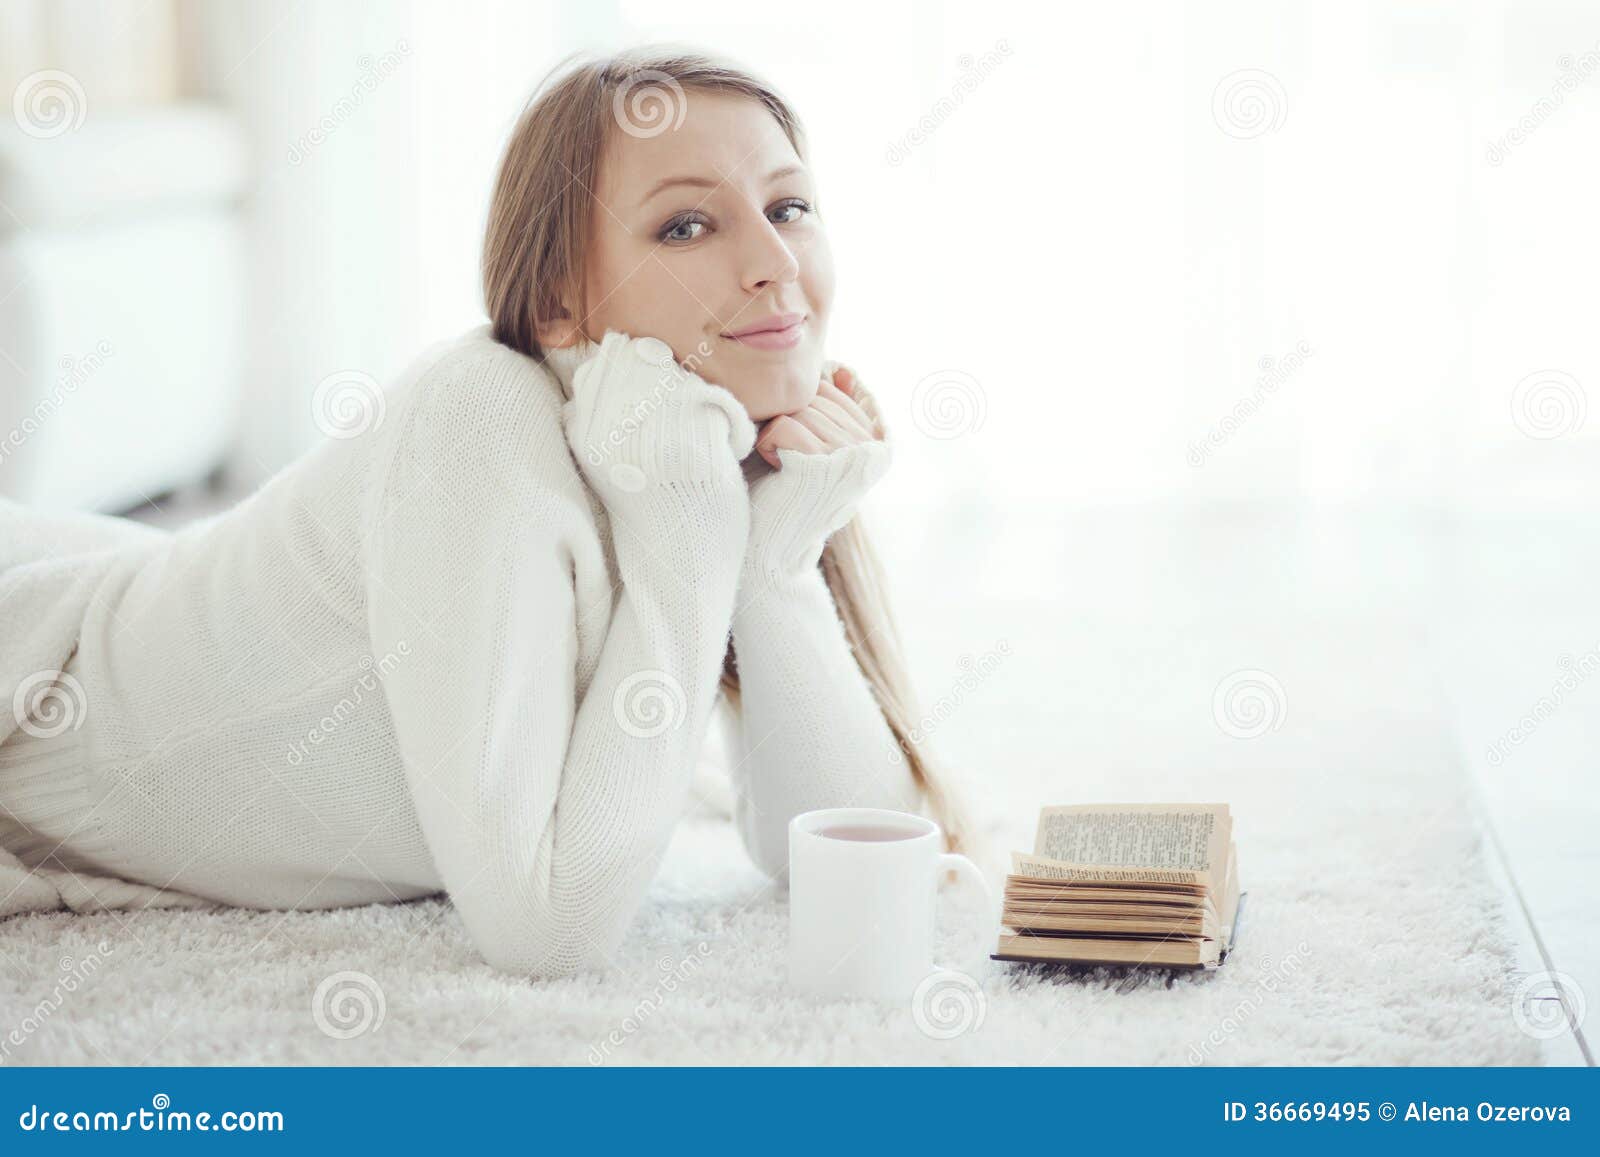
(783, 385)
(789, 396)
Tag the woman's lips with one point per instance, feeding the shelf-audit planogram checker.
(772, 339)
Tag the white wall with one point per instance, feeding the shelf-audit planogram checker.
(1091, 247)
(332, 224)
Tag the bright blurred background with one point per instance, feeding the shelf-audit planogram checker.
(1252, 338)
(1273, 250)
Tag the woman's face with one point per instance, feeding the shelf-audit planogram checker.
(708, 230)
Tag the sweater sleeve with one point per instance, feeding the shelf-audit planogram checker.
(547, 812)
(810, 733)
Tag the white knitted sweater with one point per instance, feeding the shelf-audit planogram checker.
(473, 648)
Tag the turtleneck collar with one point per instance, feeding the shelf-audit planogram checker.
(564, 362)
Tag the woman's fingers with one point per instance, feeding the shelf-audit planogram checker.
(846, 403)
(834, 418)
(829, 432)
(784, 433)
(847, 382)
(847, 418)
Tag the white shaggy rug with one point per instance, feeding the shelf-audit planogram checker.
(1372, 934)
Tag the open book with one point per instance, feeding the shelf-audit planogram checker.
(1127, 884)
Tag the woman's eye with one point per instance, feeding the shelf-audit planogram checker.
(686, 229)
(676, 230)
(792, 203)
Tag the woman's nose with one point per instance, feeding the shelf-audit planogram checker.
(766, 256)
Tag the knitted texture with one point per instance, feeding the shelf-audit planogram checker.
(471, 645)
(810, 733)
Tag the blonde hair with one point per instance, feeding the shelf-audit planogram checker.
(533, 262)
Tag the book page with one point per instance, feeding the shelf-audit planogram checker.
(1230, 896)
(1181, 837)
(1040, 868)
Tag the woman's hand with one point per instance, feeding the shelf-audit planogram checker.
(824, 458)
(833, 419)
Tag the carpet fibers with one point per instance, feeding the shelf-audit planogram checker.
(1372, 932)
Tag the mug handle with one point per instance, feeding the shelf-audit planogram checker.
(963, 867)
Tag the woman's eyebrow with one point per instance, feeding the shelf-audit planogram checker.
(708, 183)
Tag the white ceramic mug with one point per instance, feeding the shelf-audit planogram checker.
(861, 912)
